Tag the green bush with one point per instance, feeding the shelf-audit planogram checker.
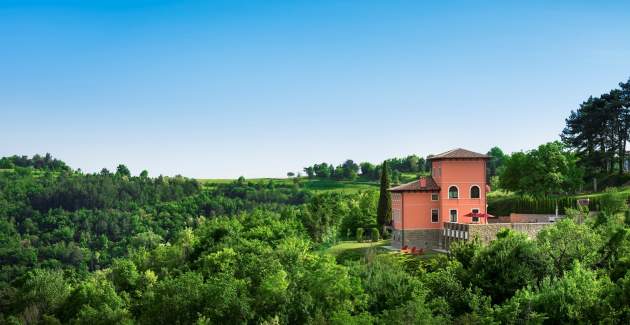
(360, 234)
(503, 206)
(374, 234)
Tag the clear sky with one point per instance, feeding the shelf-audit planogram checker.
(218, 89)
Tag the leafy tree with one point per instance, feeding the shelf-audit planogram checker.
(322, 216)
(176, 300)
(367, 169)
(361, 212)
(310, 171)
(124, 275)
(414, 163)
(542, 171)
(95, 302)
(566, 242)
(496, 161)
(613, 202)
(350, 169)
(384, 212)
(43, 292)
(509, 263)
(323, 170)
(575, 298)
(599, 130)
(122, 170)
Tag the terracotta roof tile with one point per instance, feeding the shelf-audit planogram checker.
(415, 186)
(458, 153)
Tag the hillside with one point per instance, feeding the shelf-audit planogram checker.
(111, 247)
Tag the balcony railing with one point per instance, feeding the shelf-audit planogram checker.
(455, 230)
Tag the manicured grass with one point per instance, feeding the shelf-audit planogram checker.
(408, 177)
(622, 190)
(214, 180)
(354, 251)
(316, 185)
(332, 185)
(346, 246)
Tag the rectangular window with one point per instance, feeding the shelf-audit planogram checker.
(475, 217)
(435, 215)
(453, 216)
(434, 196)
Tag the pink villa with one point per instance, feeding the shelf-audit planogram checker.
(426, 210)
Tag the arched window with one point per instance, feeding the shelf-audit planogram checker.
(474, 192)
(453, 192)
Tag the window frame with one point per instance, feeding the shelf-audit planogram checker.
(473, 212)
(437, 196)
(449, 192)
(478, 189)
(450, 216)
(437, 210)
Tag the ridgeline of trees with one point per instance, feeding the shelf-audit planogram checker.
(350, 170)
(47, 162)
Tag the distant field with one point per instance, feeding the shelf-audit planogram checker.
(332, 185)
(317, 185)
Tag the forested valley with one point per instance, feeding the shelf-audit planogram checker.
(113, 248)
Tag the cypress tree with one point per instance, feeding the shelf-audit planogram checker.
(384, 212)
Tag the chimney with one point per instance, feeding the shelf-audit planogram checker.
(423, 182)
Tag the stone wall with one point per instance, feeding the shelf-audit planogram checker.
(454, 232)
(524, 218)
(487, 233)
(420, 238)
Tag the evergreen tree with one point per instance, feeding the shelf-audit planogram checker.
(384, 212)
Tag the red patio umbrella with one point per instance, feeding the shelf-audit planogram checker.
(482, 215)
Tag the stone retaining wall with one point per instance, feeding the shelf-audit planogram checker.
(420, 238)
(487, 233)
(454, 232)
(524, 218)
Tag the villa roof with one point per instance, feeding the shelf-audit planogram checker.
(416, 186)
(459, 153)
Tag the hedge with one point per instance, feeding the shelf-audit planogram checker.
(505, 205)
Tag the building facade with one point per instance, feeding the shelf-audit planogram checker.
(454, 193)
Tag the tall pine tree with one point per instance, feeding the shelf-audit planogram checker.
(384, 212)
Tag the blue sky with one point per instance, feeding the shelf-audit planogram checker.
(219, 89)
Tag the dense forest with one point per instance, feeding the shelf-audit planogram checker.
(112, 248)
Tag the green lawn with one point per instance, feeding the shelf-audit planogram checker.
(354, 251)
(346, 246)
(332, 185)
(622, 190)
(317, 185)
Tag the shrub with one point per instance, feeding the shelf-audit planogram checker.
(503, 206)
(374, 234)
(612, 201)
(359, 234)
